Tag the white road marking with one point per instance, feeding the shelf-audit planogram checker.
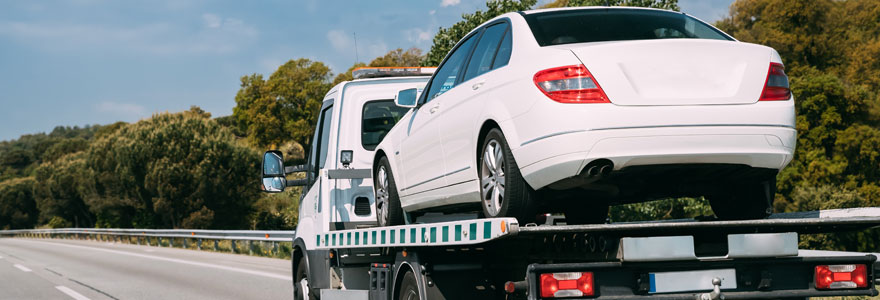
(22, 268)
(73, 294)
(175, 260)
(1, 257)
(149, 250)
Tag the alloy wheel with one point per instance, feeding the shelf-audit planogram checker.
(382, 196)
(492, 180)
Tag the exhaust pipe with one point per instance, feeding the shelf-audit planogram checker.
(593, 171)
(606, 169)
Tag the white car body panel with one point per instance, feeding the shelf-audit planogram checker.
(667, 106)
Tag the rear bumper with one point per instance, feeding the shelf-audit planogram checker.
(558, 156)
(755, 278)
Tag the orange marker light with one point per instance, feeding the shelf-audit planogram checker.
(404, 253)
(503, 226)
(267, 235)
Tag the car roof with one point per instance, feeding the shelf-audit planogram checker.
(543, 10)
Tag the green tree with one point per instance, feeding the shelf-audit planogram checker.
(59, 190)
(446, 38)
(284, 107)
(172, 170)
(17, 207)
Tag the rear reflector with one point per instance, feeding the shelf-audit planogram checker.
(568, 284)
(832, 277)
(570, 84)
(776, 85)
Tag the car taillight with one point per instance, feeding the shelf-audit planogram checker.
(570, 84)
(830, 277)
(776, 85)
(568, 284)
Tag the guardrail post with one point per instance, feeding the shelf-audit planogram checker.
(199, 244)
(234, 250)
(215, 245)
(250, 247)
(185, 244)
(274, 248)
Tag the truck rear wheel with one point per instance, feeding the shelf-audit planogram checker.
(388, 210)
(744, 201)
(503, 190)
(409, 288)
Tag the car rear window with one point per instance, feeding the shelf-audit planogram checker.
(602, 25)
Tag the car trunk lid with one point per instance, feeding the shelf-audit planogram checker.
(677, 71)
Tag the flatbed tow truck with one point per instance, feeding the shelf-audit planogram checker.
(340, 253)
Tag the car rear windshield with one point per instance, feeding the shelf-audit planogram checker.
(602, 25)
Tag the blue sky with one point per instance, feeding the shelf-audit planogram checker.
(78, 62)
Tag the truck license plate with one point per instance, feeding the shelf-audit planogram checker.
(669, 282)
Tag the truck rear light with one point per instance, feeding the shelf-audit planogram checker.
(832, 277)
(570, 84)
(776, 84)
(568, 284)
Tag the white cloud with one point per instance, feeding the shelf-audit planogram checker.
(211, 20)
(340, 40)
(127, 110)
(218, 36)
(445, 3)
(432, 12)
(377, 49)
(417, 35)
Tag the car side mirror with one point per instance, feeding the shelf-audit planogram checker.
(273, 177)
(406, 98)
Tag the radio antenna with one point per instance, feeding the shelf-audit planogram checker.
(356, 58)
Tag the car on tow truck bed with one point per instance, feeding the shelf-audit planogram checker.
(339, 252)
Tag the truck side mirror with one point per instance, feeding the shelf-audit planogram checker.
(273, 177)
(406, 98)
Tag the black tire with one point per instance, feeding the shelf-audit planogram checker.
(302, 272)
(409, 288)
(592, 213)
(515, 198)
(744, 201)
(388, 210)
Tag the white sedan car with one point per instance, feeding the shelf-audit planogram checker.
(573, 110)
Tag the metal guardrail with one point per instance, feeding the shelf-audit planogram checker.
(148, 235)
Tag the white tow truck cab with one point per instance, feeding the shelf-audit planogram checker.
(339, 252)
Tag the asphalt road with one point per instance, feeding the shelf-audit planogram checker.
(70, 269)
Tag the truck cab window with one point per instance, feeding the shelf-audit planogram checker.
(318, 155)
(378, 118)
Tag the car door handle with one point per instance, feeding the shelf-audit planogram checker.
(477, 85)
(435, 109)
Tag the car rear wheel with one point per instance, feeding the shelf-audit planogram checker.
(388, 210)
(744, 201)
(503, 191)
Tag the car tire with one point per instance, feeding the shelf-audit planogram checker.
(301, 283)
(745, 201)
(595, 213)
(388, 210)
(503, 190)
